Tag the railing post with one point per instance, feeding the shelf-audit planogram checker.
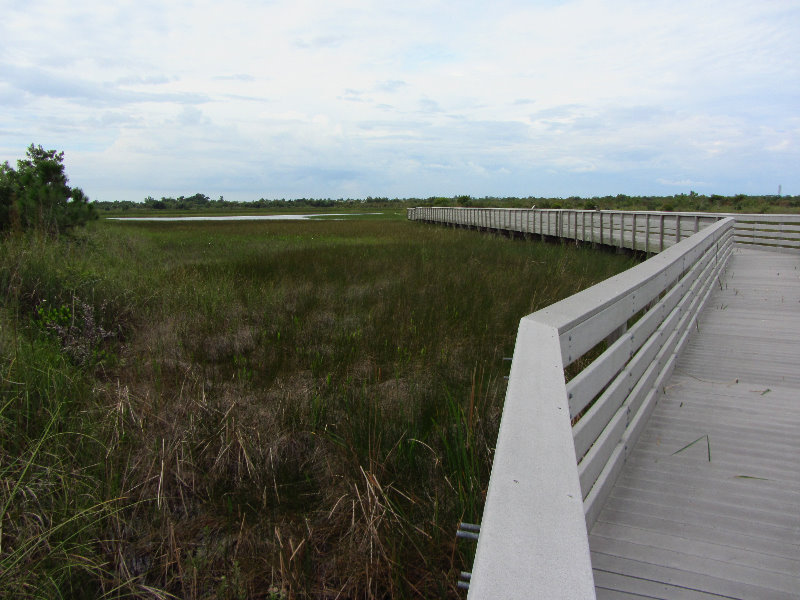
(601, 228)
(583, 226)
(677, 228)
(661, 233)
(611, 228)
(575, 216)
(647, 234)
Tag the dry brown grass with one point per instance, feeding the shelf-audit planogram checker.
(294, 417)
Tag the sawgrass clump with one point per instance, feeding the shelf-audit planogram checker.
(257, 409)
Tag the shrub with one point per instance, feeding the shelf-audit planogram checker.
(36, 195)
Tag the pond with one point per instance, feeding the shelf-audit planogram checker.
(241, 217)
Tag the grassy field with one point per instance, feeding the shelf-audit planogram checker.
(257, 409)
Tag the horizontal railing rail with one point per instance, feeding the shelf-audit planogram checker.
(646, 231)
(768, 232)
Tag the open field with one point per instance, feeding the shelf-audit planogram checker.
(257, 409)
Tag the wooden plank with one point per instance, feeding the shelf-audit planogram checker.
(777, 234)
(615, 585)
(721, 587)
(680, 560)
(730, 491)
(702, 549)
(703, 532)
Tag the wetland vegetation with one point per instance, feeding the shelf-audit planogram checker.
(257, 409)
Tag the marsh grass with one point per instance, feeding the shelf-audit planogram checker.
(257, 409)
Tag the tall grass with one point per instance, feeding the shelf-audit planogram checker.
(257, 409)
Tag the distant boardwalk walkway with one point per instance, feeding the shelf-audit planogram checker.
(721, 517)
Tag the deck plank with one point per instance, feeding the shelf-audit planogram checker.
(678, 525)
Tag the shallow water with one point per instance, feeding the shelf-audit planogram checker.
(241, 217)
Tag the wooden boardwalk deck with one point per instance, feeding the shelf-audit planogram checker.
(721, 517)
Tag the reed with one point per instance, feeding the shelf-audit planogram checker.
(257, 409)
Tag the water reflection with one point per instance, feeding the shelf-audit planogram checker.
(241, 217)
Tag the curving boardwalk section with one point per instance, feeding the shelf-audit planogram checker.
(665, 463)
(721, 517)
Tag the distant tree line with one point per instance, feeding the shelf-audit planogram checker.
(36, 195)
(679, 202)
(203, 202)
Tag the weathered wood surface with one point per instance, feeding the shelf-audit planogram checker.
(678, 525)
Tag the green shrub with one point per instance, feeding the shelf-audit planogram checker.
(36, 194)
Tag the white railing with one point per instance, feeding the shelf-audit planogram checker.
(561, 444)
(646, 231)
(768, 232)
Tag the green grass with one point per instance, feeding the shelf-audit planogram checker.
(239, 409)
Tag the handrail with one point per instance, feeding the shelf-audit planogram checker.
(647, 231)
(550, 478)
(562, 444)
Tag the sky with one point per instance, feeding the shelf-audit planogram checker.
(355, 98)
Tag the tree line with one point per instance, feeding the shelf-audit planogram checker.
(678, 202)
(36, 196)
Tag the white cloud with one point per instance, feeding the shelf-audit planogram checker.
(303, 98)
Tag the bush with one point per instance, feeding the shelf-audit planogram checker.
(36, 195)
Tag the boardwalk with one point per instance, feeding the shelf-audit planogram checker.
(721, 517)
(694, 496)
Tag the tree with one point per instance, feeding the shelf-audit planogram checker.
(36, 194)
(6, 195)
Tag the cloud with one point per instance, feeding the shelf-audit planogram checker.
(352, 96)
(38, 82)
(320, 42)
(408, 99)
(145, 80)
(390, 86)
(681, 183)
(236, 77)
(427, 105)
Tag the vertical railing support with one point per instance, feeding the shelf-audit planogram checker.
(601, 228)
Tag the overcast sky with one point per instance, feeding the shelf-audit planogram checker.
(350, 98)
